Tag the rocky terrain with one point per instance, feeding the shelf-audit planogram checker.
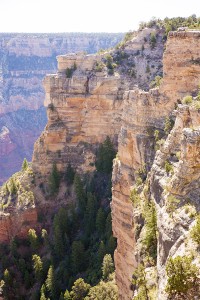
(155, 180)
(24, 61)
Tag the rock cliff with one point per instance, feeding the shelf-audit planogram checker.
(155, 192)
(24, 60)
(143, 114)
(87, 106)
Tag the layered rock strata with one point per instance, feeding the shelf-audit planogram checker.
(24, 60)
(143, 113)
(89, 105)
(176, 193)
(82, 111)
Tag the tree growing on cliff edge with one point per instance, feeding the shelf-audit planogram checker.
(24, 165)
(183, 282)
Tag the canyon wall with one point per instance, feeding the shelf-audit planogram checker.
(94, 101)
(82, 111)
(143, 113)
(24, 60)
(87, 107)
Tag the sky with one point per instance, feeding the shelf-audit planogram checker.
(88, 15)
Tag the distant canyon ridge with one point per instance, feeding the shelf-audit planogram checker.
(24, 61)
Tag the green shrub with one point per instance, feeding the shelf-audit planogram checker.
(70, 71)
(99, 67)
(51, 106)
(142, 172)
(172, 204)
(134, 197)
(152, 40)
(156, 135)
(150, 237)
(182, 277)
(139, 283)
(24, 165)
(169, 123)
(168, 166)
(196, 104)
(80, 289)
(148, 69)
(195, 231)
(187, 100)
(156, 82)
(198, 96)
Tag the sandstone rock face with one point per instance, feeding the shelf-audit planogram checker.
(89, 105)
(82, 111)
(144, 62)
(24, 60)
(182, 185)
(143, 113)
(17, 224)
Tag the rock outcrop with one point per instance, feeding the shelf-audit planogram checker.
(90, 98)
(17, 224)
(87, 107)
(143, 113)
(82, 111)
(24, 60)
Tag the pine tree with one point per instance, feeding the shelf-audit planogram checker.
(90, 213)
(27, 280)
(37, 266)
(107, 266)
(33, 239)
(67, 295)
(25, 165)
(100, 221)
(111, 246)
(42, 293)
(69, 175)
(108, 229)
(58, 242)
(77, 257)
(101, 252)
(12, 186)
(54, 180)
(80, 193)
(105, 156)
(51, 282)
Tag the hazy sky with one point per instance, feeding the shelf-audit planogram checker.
(87, 15)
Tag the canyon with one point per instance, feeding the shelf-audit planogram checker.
(111, 105)
(24, 61)
(156, 169)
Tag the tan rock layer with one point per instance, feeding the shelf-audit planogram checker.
(77, 116)
(17, 224)
(142, 114)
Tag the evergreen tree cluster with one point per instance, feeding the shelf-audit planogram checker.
(64, 259)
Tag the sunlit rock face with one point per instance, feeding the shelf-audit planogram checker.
(24, 61)
(143, 113)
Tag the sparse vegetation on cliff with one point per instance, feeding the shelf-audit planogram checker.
(70, 71)
(195, 231)
(72, 243)
(183, 281)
